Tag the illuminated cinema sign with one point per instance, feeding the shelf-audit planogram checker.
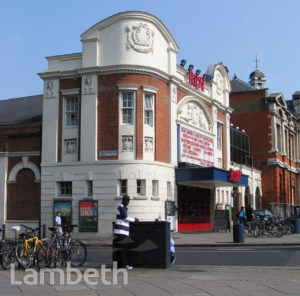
(196, 80)
(196, 148)
(235, 175)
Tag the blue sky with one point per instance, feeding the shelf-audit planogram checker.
(207, 32)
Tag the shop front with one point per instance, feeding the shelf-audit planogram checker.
(196, 195)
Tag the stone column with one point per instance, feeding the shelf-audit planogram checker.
(89, 118)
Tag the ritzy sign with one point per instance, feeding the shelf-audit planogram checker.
(196, 80)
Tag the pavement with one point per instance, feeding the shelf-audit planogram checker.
(179, 280)
(206, 239)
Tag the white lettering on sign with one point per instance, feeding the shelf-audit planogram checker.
(86, 212)
(196, 148)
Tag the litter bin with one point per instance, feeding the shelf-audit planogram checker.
(151, 247)
(239, 233)
(296, 223)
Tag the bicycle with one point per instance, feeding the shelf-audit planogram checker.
(63, 249)
(31, 250)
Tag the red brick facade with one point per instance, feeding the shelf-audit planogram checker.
(251, 113)
(23, 195)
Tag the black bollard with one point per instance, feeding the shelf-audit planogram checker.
(239, 233)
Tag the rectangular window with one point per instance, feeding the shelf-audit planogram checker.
(278, 133)
(90, 188)
(154, 188)
(219, 136)
(71, 111)
(65, 188)
(123, 187)
(240, 147)
(148, 109)
(169, 189)
(292, 147)
(140, 187)
(127, 107)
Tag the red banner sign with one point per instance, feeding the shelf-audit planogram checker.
(196, 80)
(235, 175)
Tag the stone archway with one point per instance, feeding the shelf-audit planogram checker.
(23, 197)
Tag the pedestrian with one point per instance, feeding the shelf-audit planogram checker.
(242, 215)
(58, 223)
(249, 214)
(121, 233)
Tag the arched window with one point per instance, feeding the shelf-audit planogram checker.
(257, 198)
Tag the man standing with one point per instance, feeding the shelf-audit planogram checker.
(121, 233)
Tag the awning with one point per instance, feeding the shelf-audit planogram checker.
(208, 177)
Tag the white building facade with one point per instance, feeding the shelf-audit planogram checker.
(122, 117)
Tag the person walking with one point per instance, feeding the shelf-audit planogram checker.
(121, 233)
(58, 223)
(242, 215)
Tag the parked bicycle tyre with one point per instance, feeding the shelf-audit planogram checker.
(7, 255)
(41, 258)
(24, 258)
(54, 256)
(77, 253)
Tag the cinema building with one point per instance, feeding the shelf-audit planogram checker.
(122, 117)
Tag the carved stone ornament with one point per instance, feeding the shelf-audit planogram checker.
(173, 93)
(148, 144)
(88, 85)
(191, 113)
(220, 83)
(140, 38)
(127, 143)
(49, 89)
(71, 146)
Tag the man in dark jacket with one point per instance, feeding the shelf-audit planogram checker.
(121, 233)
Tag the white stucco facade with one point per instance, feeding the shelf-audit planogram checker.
(127, 43)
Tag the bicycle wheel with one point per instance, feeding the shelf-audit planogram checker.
(54, 256)
(24, 257)
(7, 255)
(41, 257)
(77, 253)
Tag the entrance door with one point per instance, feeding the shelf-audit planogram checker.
(193, 209)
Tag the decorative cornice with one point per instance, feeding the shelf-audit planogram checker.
(23, 153)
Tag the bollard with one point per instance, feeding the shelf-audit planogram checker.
(296, 223)
(3, 231)
(239, 233)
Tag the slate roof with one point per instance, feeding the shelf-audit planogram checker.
(238, 85)
(21, 110)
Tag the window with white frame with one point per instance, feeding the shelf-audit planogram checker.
(278, 134)
(71, 110)
(127, 106)
(148, 109)
(64, 188)
(140, 187)
(154, 187)
(89, 188)
(219, 135)
(169, 189)
(292, 147)
(123, 187)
